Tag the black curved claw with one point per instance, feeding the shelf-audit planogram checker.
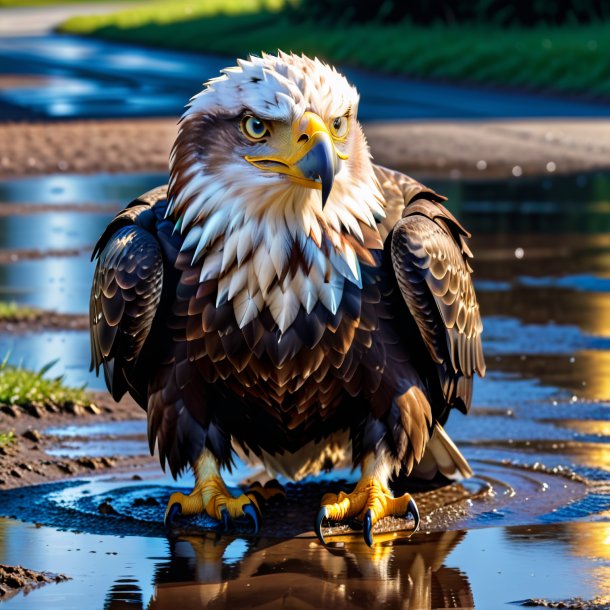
(226, 520)
(412, 508)
(368, 527)
(322, 514)
(251, 512)
(174, 510)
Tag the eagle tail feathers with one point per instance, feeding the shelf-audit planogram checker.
(442, 456)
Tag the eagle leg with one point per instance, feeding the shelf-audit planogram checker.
(211, 496)
(370, 501)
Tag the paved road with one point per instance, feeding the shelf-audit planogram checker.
(86, 78)
(38, 20)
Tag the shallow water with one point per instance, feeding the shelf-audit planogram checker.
(533, 522)
(68, 189)
(85, 77)
(487, 568)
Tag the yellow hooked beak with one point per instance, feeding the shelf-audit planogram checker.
(306, 155)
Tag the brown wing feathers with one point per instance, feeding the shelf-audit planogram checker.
(430, 259)
(125, 295)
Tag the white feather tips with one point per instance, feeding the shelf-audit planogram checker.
(284, 307)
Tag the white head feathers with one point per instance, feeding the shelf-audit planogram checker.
(245, 224)
(278, 87)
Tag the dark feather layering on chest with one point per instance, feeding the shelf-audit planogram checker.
(299, 379)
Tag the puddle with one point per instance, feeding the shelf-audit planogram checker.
(488, 568)
(75, 189)
(115, 428)
(58, 283)
(35, 350)
(52, 231)
(101, 440)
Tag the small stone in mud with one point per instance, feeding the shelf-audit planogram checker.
(92, 409)
(89, 463)
(32, 435)
(25, 466)
(105, 508)
(10, 410)
(150, 501)
(67, 468)
(15, 473)
(15, 578)
(73, 408)
(34, 410)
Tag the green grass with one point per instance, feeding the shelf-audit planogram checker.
(7, 438)
(24, 3)
(574, 59)
(11, 312)
(23, 387)
(169, 12)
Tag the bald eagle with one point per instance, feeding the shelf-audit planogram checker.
(286, 299)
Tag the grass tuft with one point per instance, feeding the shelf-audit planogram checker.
(7, 438)
(11, 312)
(25, 388)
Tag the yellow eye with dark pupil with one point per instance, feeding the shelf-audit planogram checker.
(253, 127)
(338, 127)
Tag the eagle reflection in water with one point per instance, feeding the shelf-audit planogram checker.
(399, 573)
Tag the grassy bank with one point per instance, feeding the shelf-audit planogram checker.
(26, 3)
(574, 59)
(20, 387)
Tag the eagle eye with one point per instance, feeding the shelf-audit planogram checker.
(254, 128)
(339, 127)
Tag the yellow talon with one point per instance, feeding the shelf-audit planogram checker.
(211, 496)
(370, 501)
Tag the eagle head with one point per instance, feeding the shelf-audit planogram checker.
(270, 157)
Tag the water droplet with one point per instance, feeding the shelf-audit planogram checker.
(481, 165)
(517, 171)
(519, 252)
(551, 166)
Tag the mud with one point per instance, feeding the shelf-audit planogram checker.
(36, 454)
(575, 604)
(44, 320)
(15, 579)
(478, 150)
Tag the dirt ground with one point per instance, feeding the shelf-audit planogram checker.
(465, 149)
(16, 578)
(25, 461)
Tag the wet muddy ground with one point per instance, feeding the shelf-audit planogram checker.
(532, 524)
